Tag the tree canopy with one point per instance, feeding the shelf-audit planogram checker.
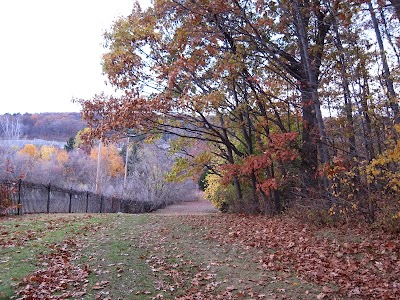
(282, 99)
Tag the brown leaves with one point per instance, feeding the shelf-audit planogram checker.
(356, 262)
(59, 279)
(58, 276)
(214, 271)
(100, 285)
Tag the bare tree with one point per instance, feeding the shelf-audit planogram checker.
(147, 180)
(10, 127)
(387, 73)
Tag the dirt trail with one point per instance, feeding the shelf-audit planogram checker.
(198, 207)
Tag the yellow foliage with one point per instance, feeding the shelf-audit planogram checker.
(62, 156)
(179, 170)
(29, 149)
(185, 167)
(46, 152)
(110, 158)
(79, 137)
(214, 191)
(384, 169)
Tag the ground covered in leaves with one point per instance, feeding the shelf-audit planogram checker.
(212, 256)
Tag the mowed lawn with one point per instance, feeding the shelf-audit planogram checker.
(121, 256)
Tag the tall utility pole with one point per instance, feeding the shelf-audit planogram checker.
(98, 168)
(126, 163)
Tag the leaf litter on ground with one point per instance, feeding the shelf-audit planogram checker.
(348, 262)
(215, 257)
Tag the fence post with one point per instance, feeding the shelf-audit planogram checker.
(19, 197)
(101, 203)
(70, 201)
(48, 198)
(87, 201)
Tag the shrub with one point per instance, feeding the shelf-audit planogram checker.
(6, 193)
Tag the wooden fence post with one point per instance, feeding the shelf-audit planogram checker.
(101, 203)
(87, 201)
(70, 201)
(48, 198)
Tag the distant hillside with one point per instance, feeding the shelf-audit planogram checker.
(36, 142)
(46, 126)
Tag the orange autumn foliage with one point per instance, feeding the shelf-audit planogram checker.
(111, 158)
(29, 149)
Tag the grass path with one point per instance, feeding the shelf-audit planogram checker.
(165, 257)
(195, 254)
(200, 207)
(132, 257)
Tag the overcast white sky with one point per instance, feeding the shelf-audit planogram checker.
(50, 51)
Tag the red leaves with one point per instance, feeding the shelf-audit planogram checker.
(354, 263)
(268, 185)
(279, 150)
(17, 238)
(6, 193)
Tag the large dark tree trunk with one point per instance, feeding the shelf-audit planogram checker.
(314, 132)
(309, 149)
(305, 71)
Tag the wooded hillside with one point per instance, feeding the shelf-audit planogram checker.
(46, 126)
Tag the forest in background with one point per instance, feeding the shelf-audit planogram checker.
(46, 126)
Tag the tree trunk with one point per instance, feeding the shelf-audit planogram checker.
(365, 113)
(309, 149)
(313, 128)
(346, 92)
(388, 78)
(231, 160)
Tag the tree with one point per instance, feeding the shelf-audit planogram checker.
(69, 146)
(387, 74)
(30, 150)
(10, 127)
(212, 79)
(109, 165)
(396, 6)
(249, 80)
(46, 153)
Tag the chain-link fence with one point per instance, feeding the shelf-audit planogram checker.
(31, 198)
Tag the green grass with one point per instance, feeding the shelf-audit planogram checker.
(145, 257)
(29, 237)
(115, 256)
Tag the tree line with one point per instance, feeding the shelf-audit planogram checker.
(47, 126)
